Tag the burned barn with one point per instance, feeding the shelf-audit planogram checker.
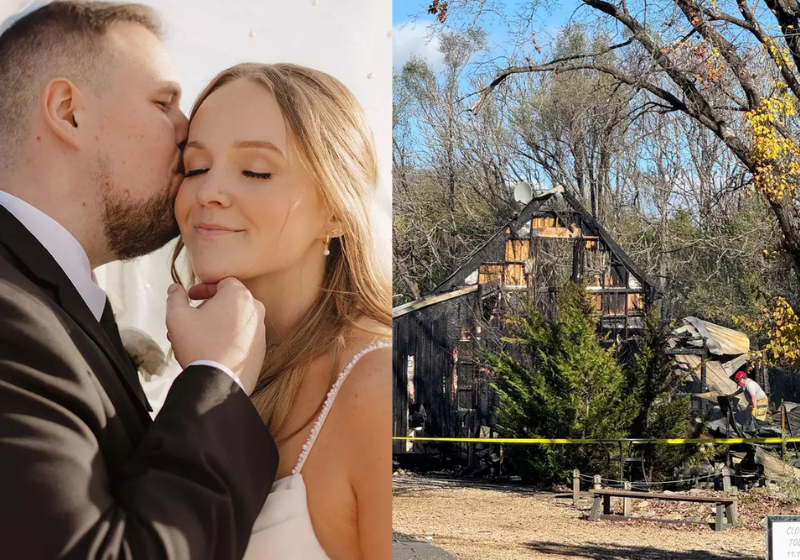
(442, 388)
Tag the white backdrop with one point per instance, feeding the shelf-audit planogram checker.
(349, 39)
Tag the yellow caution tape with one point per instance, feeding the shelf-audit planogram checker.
(549, 441)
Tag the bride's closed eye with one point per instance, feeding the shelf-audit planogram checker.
(246, 173)
(254, 175)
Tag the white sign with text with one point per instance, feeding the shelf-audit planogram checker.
(783, 538)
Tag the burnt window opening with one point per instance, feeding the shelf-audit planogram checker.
(618, 304)
(515, 276)
(411, 388)
(470, 329)
(489, 305)
(617, 276)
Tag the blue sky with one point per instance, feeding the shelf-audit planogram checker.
(411, 29)
(411, 35)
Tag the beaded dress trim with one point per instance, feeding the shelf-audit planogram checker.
(326, 407)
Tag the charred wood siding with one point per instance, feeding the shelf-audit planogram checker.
(552, 240)
(427, 336)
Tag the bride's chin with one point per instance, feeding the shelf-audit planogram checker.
(210, 277)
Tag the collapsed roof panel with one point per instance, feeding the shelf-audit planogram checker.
(717, 377)
(719, 340)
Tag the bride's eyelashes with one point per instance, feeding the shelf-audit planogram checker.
(246, 173)
(254, 175)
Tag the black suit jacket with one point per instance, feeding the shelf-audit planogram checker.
(84, 472)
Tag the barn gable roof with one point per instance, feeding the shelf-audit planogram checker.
(483, 253)
(432, 299)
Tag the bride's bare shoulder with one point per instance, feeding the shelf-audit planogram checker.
(366, 395)
(369, 346)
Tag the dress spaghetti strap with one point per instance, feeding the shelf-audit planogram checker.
(326, 407)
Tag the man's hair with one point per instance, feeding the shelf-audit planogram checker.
(64, 39)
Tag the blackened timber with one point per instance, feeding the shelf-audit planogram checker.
(687, 351)
(613, 290)
(577, 262)
(616, 249)
(430, 300)
(497, 242)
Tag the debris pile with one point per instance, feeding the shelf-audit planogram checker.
(706, 356)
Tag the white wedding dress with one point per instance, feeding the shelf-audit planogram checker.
(283, 529)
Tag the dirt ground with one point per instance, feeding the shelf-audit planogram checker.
(494, 522)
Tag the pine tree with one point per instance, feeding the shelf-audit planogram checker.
(557, 381)
(662, 414)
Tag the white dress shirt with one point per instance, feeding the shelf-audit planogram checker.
(70, 255)
(64, 248)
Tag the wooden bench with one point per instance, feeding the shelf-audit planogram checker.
(726, 506)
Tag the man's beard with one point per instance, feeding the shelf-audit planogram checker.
(135, 227)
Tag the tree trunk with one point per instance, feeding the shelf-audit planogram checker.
(788, 216)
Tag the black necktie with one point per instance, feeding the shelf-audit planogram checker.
(109, 326)
(112, 331)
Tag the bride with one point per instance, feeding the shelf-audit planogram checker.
(280, 168)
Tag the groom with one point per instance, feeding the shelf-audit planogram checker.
(90, 137)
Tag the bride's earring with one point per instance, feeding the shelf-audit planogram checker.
(327, 251)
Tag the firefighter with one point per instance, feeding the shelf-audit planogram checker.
(755, 394)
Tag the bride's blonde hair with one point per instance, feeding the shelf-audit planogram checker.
(334, 140)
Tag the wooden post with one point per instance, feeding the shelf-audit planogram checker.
(726, 479)
(703, 375)
(783, 419)
(703, 383)
(470, 449)
(576, 486)
(596, 481)
(731, 512)
(783, 429)
(626, 502)
(593, 515)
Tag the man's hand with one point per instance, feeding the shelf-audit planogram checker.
(227, 328)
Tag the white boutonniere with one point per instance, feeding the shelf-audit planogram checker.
(145, 353)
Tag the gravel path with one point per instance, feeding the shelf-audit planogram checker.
(405, 547)
(492, 522)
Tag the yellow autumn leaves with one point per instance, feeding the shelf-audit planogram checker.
(776, 155)
(780, 324)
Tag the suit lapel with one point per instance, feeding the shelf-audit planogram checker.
(43, 270)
